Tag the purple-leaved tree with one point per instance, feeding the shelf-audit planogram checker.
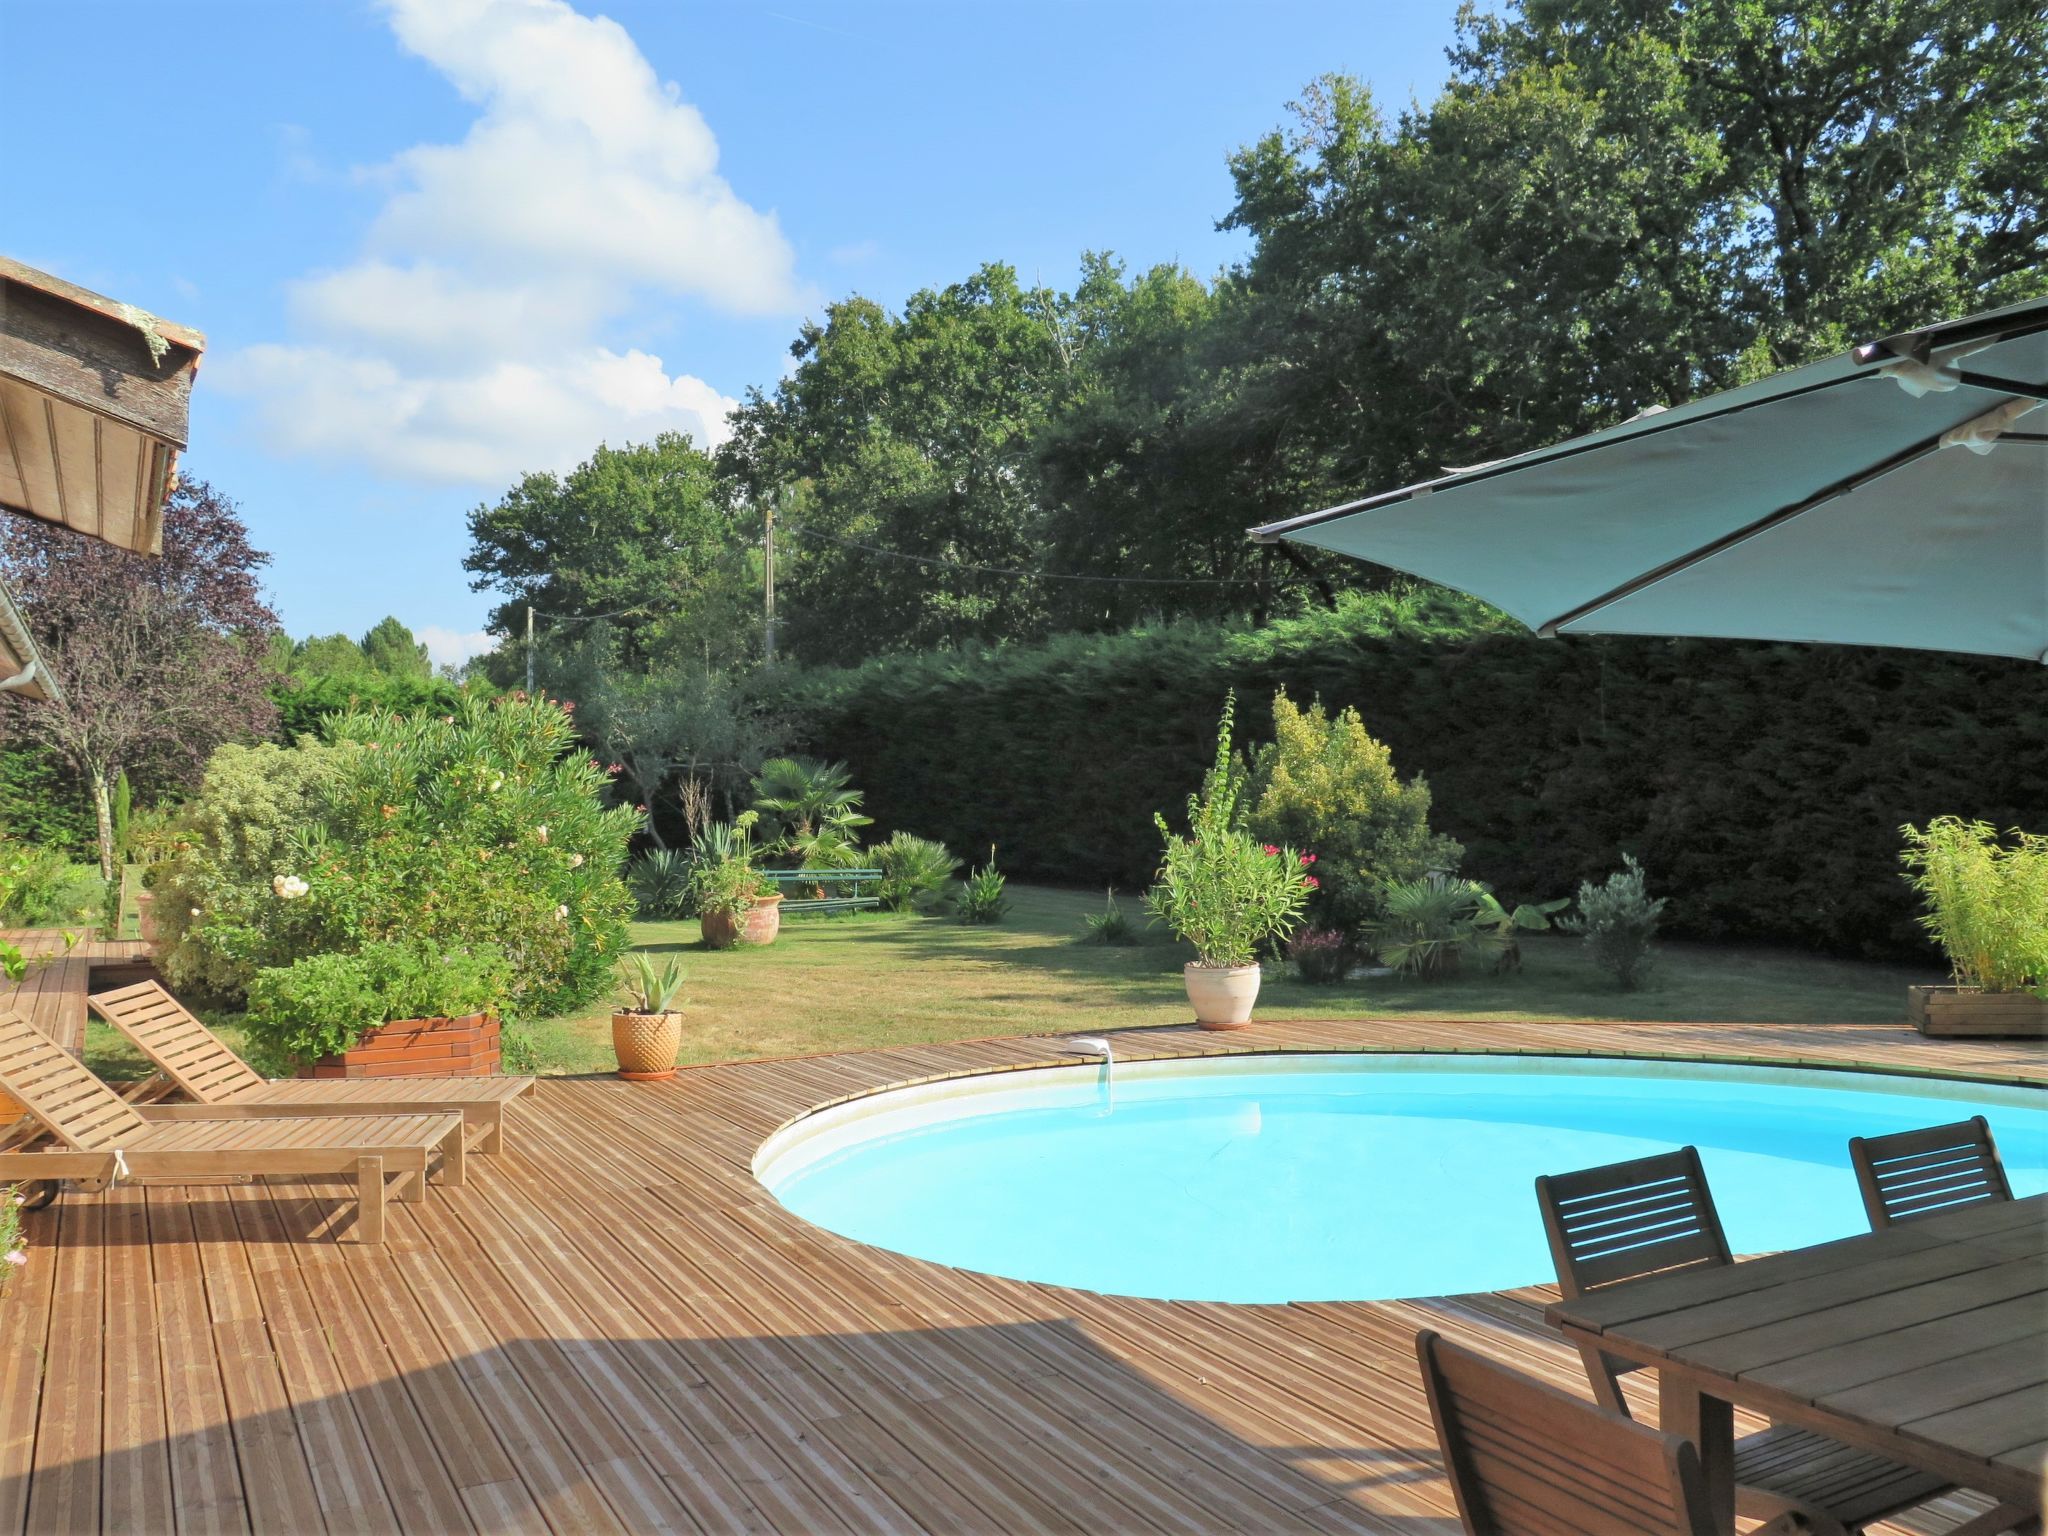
(160, 659)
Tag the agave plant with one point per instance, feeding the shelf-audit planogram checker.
(651, 990)
(660, 883)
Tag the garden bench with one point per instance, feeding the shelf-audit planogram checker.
(848, 881)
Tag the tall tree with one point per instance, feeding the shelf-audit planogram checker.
(642, 536)
(903, 447)
(160, 660)
(1878, 164)
(390, 648)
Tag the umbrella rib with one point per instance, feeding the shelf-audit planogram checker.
(2003, 386)
(1764, 524)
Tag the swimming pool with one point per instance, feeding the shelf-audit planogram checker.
(1339, 1177)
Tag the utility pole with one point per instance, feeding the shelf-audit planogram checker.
(768, 575)
(529, 650)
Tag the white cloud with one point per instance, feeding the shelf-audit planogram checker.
(473, 340)
(452, 647)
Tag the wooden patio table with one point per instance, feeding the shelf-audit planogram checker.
(1927, 1342)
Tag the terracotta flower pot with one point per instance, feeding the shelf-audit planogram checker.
(145, 915)
(646, 1045)
(760, 925)
(1222, 994)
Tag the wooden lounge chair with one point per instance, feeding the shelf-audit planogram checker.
(1523, 1457)
(221, 1084)
(1655, 1215)
(104, 1137)
(1923, 1173)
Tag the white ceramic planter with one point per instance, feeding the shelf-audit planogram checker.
(1222, 994)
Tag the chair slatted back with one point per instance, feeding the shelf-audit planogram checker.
(183, 1048)
(54, 1086)
(1626, 1220)
(1923, 1173)
(1525, 1459)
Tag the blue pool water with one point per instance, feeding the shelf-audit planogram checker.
(1265, 1179)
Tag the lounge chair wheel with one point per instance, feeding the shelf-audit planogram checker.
(39, 1194)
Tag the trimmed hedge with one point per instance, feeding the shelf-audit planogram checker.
(1762, 786)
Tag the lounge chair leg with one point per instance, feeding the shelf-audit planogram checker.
(454, 1155)
(370, 1200)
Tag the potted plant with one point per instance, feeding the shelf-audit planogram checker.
(1226, 894)
(648, 1032)
(1987, 906)
(387, 1009)
(736, 903)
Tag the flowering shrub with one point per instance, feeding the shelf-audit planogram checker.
(484, 827)
(218, 912)
(1217, 888)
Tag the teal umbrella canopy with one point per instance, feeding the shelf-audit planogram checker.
(1896, 495)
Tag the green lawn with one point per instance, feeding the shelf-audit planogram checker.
(843, 983)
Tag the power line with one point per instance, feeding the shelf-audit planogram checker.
(1004, 570)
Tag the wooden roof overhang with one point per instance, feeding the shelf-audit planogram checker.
(95, 400)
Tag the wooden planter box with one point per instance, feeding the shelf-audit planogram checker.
(1950, 1011)
(465, 1047)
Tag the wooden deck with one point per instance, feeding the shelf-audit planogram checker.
(53, 993)
(614, 1328)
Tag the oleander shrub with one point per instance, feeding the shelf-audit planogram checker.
(1986, 901)
(482, 826)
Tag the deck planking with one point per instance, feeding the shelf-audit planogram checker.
(613, 1328)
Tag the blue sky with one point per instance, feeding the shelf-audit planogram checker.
(434, 243)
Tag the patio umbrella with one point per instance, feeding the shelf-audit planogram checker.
(1896, 495)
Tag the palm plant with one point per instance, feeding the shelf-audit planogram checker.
(806, 796)
(915, 870)
(1431, 922)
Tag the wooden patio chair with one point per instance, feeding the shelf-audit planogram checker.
(222, 1085)
(1924, 1173)
(103, 1137)
(1523, 1457)
(1655, 1215)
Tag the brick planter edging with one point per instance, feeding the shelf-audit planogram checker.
(464, 1047)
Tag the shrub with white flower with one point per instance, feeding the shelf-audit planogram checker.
(486, 827)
